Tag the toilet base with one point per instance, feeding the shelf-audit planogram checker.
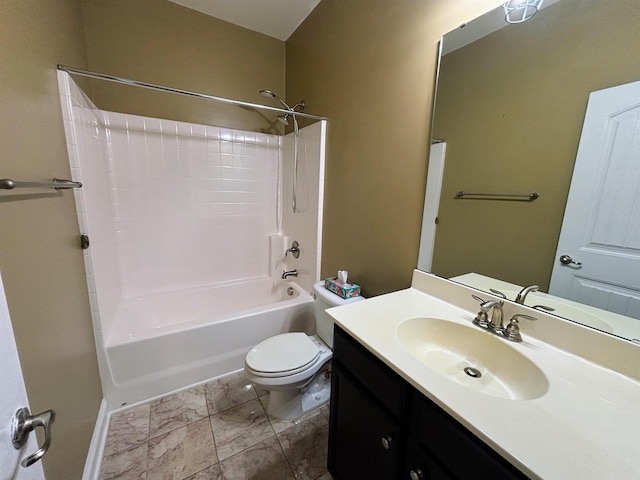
(292, 404)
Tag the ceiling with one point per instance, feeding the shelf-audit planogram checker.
(483, 25)
(275, 18)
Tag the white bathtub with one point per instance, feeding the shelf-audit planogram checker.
(163, 342)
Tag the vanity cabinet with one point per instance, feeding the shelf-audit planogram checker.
(366, 434)
(382, 428)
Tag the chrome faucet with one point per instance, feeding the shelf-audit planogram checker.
(496, 324)
(522, 294)
(290, 273)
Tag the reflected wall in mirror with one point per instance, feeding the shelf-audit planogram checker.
(510, 107)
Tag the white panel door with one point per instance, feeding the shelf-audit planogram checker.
(13, 396)
(601, 227)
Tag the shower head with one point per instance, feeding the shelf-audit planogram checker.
(284, 119)
(267, 94)
(270, 94)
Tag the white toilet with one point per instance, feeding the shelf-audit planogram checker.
(294, 366)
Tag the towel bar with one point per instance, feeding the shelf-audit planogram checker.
(57, 183)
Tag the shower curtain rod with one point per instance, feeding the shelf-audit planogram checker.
(151, 86)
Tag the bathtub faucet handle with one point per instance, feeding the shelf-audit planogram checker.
(295, 250)
(290, 273)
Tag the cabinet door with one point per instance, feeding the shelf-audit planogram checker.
(455, 447)
(421, 466)
(363, 438)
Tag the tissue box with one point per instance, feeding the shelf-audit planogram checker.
(345, 290)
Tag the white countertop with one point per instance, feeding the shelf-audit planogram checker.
(586, 426)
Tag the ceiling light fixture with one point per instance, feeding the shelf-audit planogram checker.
(518, 11)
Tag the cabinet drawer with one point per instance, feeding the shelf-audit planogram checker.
(463, 453)
(383, 383)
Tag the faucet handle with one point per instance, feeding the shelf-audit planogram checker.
(522, 315)
(498, 293)
(482, 317)
(295, 250)
(512, 331)
(544, 308)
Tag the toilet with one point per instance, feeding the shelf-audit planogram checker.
(295, 367)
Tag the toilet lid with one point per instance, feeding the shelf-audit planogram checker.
(282, 353)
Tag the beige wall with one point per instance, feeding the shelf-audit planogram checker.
(40, 260)
(369, 66)
(163, 43)
(511, 107)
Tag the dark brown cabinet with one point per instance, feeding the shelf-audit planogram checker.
(382, 428)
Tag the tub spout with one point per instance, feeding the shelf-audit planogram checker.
(290, 273)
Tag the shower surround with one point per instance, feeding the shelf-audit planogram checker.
(183, 228)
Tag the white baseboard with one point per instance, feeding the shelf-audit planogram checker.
(94, 457)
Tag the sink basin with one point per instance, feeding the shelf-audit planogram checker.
(472, 357)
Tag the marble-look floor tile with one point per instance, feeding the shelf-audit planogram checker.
(176, 438)
(228, 391)
(210, 473)
(280, 425)
(326, 476)
(259, 390)
(128, 464)
(305, 446)
(127, 429)
(177, 410)
(325, 410)
(241, 427)
(263, 396)
(182, 452)
(263, 461)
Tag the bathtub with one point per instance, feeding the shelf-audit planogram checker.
(163, 342)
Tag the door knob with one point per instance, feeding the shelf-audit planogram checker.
(23, 423)
(416, 474)
(567, 260)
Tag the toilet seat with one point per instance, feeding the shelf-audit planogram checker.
(282, 355)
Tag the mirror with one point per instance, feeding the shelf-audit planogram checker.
(510, 105)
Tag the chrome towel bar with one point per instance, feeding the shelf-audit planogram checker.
(57, 183)
(500, 196)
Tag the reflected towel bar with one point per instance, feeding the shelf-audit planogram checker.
(500, 196)
(57, 183)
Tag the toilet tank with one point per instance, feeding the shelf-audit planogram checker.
(326, 299)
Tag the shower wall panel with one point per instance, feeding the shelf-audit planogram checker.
(168, 205)
(193, 205)
(305, 226)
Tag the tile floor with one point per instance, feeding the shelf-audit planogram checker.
(216, 431)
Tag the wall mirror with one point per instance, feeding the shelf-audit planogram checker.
(510, 105)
